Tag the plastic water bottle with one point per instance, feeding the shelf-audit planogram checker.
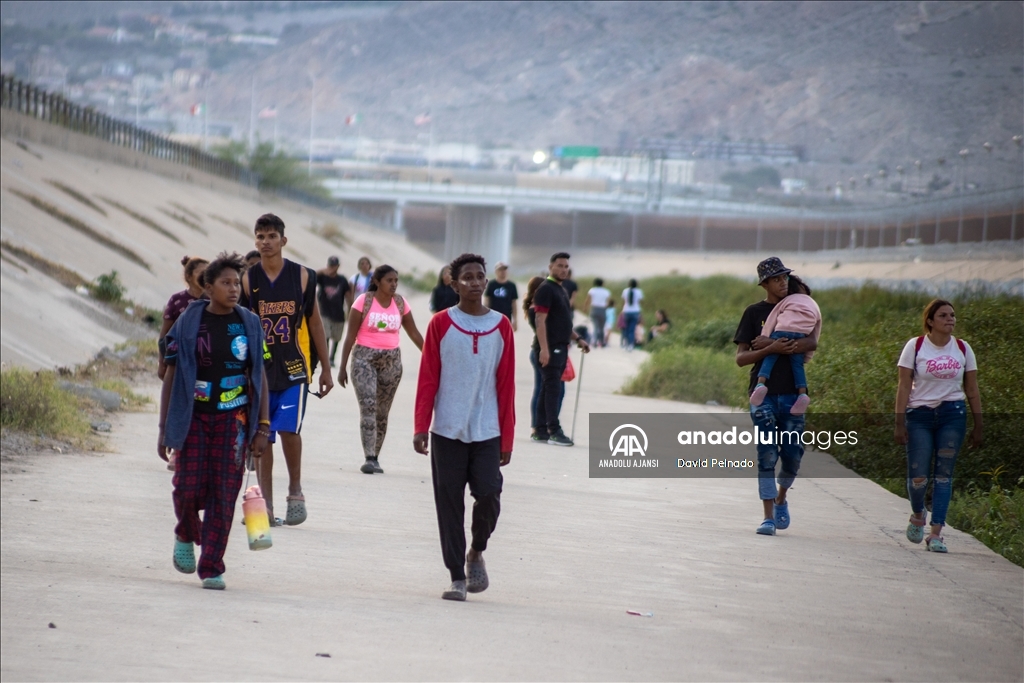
(257, 525)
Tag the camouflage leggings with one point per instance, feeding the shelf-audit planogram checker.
(375, 376)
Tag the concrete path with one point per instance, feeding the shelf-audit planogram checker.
(86, 545)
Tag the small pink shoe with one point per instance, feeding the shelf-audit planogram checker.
(800, 405)
(757, 396)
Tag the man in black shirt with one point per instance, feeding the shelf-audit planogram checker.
(502, 294)
(773, 415)
(334, 294)
(554, 333)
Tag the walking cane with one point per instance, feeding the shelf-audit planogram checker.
(575, 409)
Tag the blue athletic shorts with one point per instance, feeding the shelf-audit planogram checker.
(287, 408)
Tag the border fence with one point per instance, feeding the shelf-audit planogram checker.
(53, 108)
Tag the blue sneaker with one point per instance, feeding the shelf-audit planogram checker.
(781, 516)
(767, 528)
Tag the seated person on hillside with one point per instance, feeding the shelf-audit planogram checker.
(661, 325)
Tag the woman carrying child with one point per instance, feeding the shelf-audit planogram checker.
(795, 317)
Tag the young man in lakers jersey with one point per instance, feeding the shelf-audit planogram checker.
(283, 294)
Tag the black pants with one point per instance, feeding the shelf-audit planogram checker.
(550, 401)
(453, 464)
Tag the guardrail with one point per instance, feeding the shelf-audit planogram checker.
(53, 108)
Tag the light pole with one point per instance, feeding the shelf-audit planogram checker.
(963, 188)
(312, 109)
(984, 221)
(917, 210)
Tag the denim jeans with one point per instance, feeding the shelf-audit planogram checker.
(599, 318)
(796, 360)
(772, 418)
(630, 321)
(538, 383)
(935, 436)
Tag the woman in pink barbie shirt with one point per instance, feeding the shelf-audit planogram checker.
(795, 317)
(936, 373)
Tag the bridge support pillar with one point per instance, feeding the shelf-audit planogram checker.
(399, 217)
(484, 230)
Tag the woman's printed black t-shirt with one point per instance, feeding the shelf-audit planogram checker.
(222, 354)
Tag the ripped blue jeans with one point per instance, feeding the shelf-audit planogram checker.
(935, 436)
(773, 417)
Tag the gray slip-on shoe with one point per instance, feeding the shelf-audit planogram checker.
(456, 591)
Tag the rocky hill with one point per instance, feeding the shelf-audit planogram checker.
(869, 83)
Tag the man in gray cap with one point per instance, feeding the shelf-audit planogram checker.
(334, 294)
(773, 415)
(501, 294)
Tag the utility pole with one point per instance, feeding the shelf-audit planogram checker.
(252, 114)
(312, 109)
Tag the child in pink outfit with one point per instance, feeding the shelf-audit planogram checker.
(795, 317)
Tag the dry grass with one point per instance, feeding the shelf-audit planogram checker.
(237, 225)
(77, 196)
(81, 227)
(183, 219)
(332, 233)
(187, 211)
(61, 274)
(149, 223)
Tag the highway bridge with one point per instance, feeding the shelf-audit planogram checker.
(482, 218)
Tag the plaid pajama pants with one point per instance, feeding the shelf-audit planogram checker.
(208, 477)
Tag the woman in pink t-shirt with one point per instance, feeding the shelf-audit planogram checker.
(373, 325)
(937, 372)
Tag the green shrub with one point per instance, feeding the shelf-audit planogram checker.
(108, 287)
(33, 402)
(689, 374)
(995, 517)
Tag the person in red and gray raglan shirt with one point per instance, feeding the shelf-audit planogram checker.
(467, 385)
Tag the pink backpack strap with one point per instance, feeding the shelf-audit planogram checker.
(917, 347)
(963, 347)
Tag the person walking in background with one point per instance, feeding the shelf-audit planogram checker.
(443, 296)
(538, 424)
(596, 306)
(283, 294)
(467, 385)
(361, 280)
(372, 341)
(631, 298)
(251, 259)
(213, 407)
(774, 415)
(571, 288)
(795, 317)
(502, 295)
(610, 320)
(554, 334)
(193, 273)
(334, 295)
(937, 372)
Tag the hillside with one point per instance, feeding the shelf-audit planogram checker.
(46, 322)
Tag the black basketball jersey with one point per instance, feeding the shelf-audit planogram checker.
(284, 310)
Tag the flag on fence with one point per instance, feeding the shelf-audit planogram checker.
(197, 109)
(353, 119)
(268, 113)
(422, 119)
